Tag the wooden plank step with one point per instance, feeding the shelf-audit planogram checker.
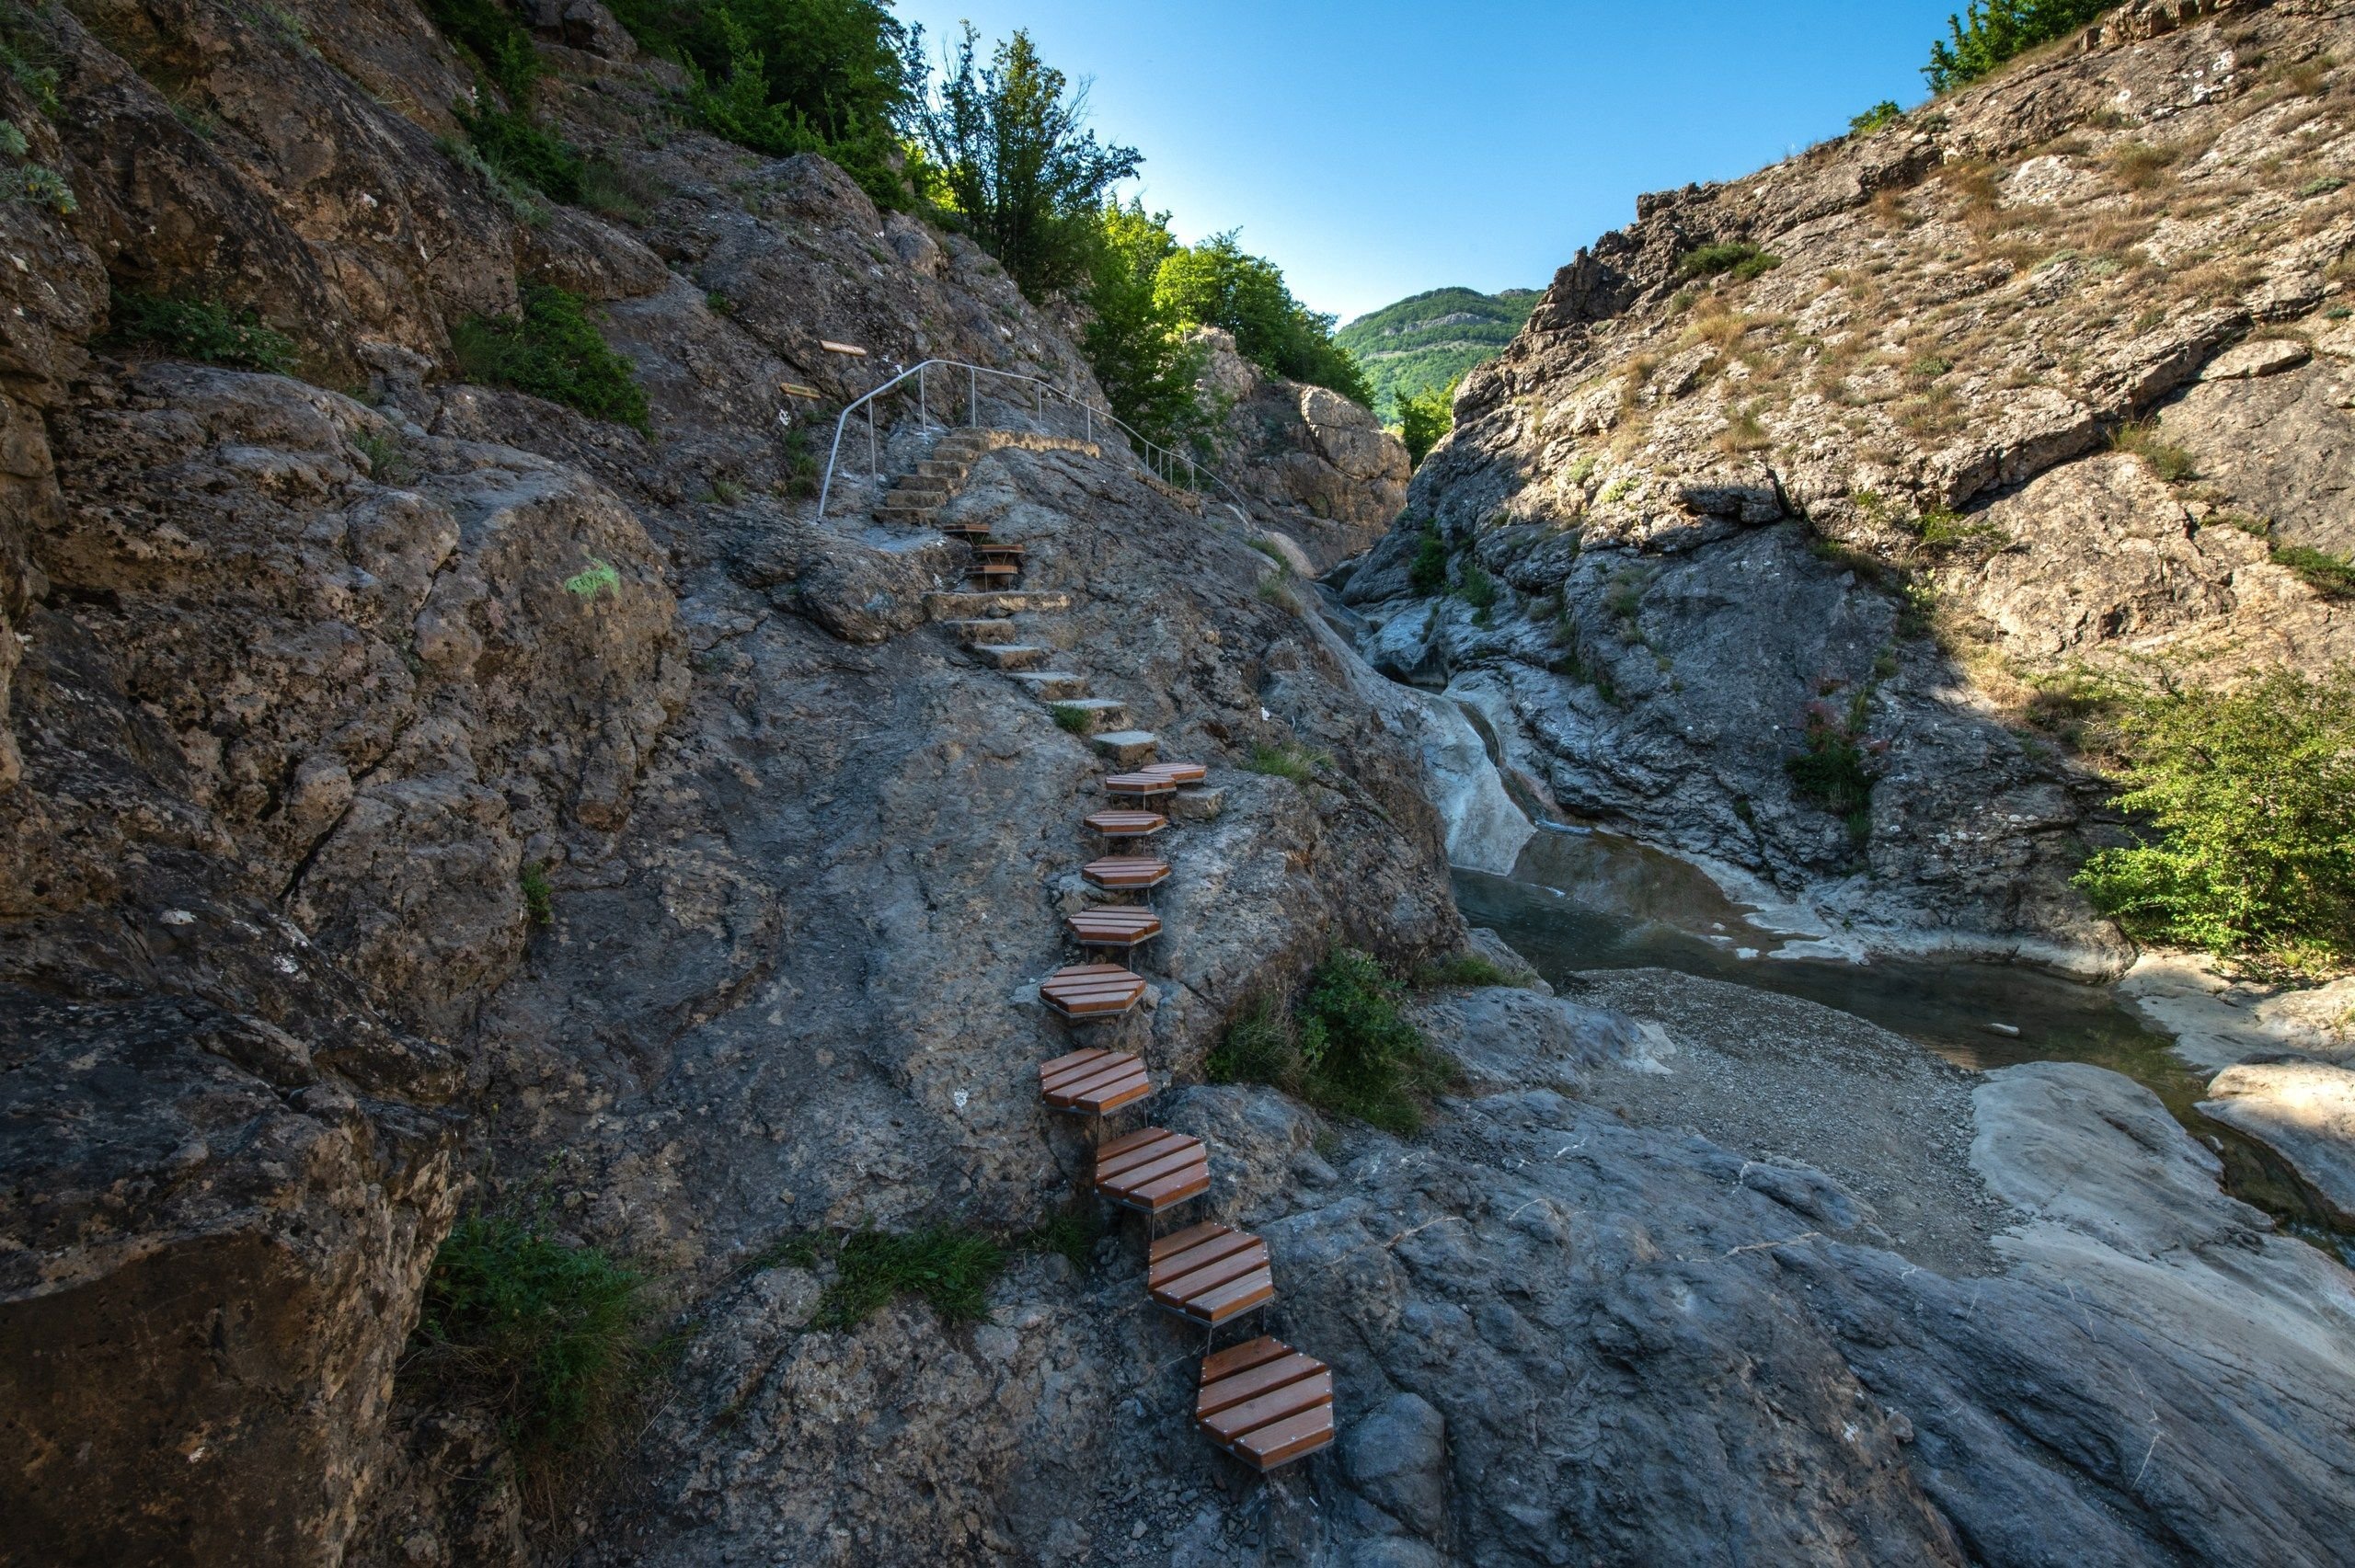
(1014, 656)
(992, 574)
(1000, 551)
(1153, 1170)
(1128, 824)
(1209, 1273)
(1126, 872)
(1092, 990)
(1126, 748)
(1094, 1082)
(1138, 785)
(1266, 1403)
(1053, 685)
(1124, 926)
(957, 605)
(1178, 772)
(974, 634)
(966, 529)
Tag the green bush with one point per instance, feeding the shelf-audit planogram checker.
(1072, 719)
(539, 898)
(1135, 340)
(1478, 589)
(1739, 258)
(499, 43)
(2327, 574)
(1462, 970)
(2247, 802)
(1425, 417)
(1992, 31)
(554, 351)
(1426, 573)
(1882, 114)
(42, 185)
(556, 1339)
(1346, 1046)
(200, 330)
(515, 147)
(1831, 771)
(1216, 283)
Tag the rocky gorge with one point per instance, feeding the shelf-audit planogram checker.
(424, 799)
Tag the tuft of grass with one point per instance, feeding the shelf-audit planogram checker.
(1739, 259)
(1743, 433)
(1462, 970)
(1880, 116)
(598, 576)
(1276, 591)
(1287, 762)
(1478, 589)
(1346, 1046)
(1071, 1233)
(552, 350)
(2141, 438)
(557, 1340)
(798, 467)
(1072, 719)
(2330, 575)
(2323, 185)
(951, 1269)
(2140, 165)
(1832, 771)
(539, 898)
(618, 190)
(200, 330)
(388, 462)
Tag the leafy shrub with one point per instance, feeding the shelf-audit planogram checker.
(555, 1339)
(1426, 573)
(200, 330)
(1992, 31)
(1345, 1047)
(1135, 339)
(1882, 114)
(1216, 283)
(598, 576)
(42, 185)
(1478, 589)
(2141, 438)
(1425, 417)
(1462, 970)
(497, 41)
(1739, 258)
(554, 351)
(2330, 575)
(1072, 719)
(515, 147)
(1286, 761)
(2248, 802)
(2323, 185)
(27, 59)
(1831, 771)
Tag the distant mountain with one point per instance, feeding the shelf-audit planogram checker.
(1431, 338)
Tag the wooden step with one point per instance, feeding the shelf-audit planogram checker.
(1153, 1170)
(1265, 1403)
(1178, 772)
(990, 552)
(1209, 1273)
(1138, 785)
(1013, 655)
(1128, 824)
(1124, 926)
(1126, 872)
(1085, 991)
(954, 605)
(966, 530)
(1053, 685)
(993, 574)
(1093, 1082)
(974, 634)
(1126, 748)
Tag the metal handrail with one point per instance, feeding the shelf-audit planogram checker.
(1161, 461)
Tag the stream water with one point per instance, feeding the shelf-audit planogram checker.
(1580, 899)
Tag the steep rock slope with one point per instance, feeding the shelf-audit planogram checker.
(1751, 450)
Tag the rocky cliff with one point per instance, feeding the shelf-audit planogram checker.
(419, 796)
(1900, 436)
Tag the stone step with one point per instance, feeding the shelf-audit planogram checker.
(1198, 803)
(974, 632)
(888, 512)
(1101, 711)
(1055, 685)
(1014, 656)
(954, 606)
(1126, 748)
(951, 472)
(917, 496)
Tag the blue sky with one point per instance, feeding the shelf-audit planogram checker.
(1374, 149)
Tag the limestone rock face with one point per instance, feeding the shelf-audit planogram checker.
(1321, 467)
(2304, 1111)
(1828, 444)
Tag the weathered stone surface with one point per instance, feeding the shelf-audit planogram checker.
(2304, 1112)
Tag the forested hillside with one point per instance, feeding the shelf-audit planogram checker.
(1430, 339)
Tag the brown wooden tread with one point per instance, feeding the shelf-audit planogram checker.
(1123, 925)
(992, 572)
(1139, 786)
(1178, 772)
(1265, 1403)
(1126, 872)
(1093, 1082)
(1209, 1273)
(983, 547)
(1153, 1168)
(1128, 824)
(1092, 990)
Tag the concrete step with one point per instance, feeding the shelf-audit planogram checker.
(949, 472)
(1103, 713)
(1126, 748)
(1196, 803)
(888, 512)
(1014, 656)
(973, 634)
(1053, 685)
(917, 496)
(951, 606)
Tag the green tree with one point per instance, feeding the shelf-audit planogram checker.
(1425, 417)
(1134, 342)
(1216, 283)
(2249, 802)
(1991, 31)
(1015, 164)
